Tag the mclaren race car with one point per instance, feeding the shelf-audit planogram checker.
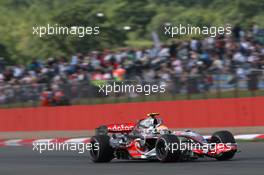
(150, 139)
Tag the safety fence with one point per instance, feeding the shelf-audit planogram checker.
(183, 87)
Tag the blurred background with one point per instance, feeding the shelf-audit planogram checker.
(131, 47)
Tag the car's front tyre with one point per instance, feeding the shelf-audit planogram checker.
(167, 148)
(101, 150)
(224, 137)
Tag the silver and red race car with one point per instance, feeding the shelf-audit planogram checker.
(150, 139)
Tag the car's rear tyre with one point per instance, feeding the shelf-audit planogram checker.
(101, 150)
(101, 130)
(167, 148)
(224, 137)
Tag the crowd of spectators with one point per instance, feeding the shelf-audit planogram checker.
(237, 54)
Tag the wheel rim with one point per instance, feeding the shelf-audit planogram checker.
(94, 153)
(216, 139)
(161, 148)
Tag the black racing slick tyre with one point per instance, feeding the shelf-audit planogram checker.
(101, 150)
(224, 137)
(101, 130)
(167, 148)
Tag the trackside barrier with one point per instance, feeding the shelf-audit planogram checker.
(233, 112)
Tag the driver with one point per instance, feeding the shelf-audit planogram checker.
(151, 121)
(149, 125)
(155, 123)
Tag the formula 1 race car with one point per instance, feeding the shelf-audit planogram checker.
(149, 139)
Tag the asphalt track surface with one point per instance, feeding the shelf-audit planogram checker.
(23, 161)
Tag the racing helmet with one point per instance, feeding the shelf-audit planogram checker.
(153, 114)
(151, 121)
(162, 128)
